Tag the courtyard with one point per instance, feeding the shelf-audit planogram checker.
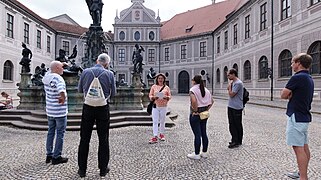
(263, 155)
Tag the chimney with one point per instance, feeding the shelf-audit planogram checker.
(213, 1)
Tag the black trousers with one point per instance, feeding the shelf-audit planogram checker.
(235, 124)
(101, 116)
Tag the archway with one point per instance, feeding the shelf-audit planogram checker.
(183, 82)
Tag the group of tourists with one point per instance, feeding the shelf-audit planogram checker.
(298, 90)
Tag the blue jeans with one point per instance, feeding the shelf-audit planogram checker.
(199, 129)
(59, 124)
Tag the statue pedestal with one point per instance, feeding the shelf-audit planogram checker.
(31, 97)
(75, 99)
(129, 98)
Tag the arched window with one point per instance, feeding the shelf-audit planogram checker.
(285, 63)
(151, 35)
(218, 75)
(122, 35)
(247, 70)
(8, 71)
(263, 68)
(236, 67)
(315, 52)
(225, 73)
(137, 36)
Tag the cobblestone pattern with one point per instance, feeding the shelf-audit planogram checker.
(263, 155)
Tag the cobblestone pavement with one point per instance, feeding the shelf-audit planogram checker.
(264, 154)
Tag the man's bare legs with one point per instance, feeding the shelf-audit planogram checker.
(303, 158)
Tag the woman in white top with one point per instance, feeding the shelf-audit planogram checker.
(201, 100)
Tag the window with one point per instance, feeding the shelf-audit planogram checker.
(48, 44)
(315, 52)
(263, 17)
(8, 71)
(151, 35)
(236, 67)
(137, 36)
(314, 1)
(226, 40)
(203, 49)
(225, 74)
(285, 63)
(235, 34)
(247, 27)
(183, 51)
(285, 9)
(9, 25)
(122, 35)
(218, 75)
(65, 47)
(26, 33)
(121, 54)
(39, 39)
(247, 70)
(218, 44)
(167, 54)
(263, 68)
(151, 55)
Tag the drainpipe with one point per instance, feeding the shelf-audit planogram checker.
(272, 31)
(159, 56)
(213, 54)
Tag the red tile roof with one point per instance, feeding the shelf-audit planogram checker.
(198, 21)
(23, 9)
(66, 28)
(57, 26)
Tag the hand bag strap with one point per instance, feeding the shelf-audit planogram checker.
(160, 91)
(162, 88)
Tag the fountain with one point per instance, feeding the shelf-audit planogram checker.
(127, 105)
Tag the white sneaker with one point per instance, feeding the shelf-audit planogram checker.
(293, 175)
(194, 156)
(204, 154)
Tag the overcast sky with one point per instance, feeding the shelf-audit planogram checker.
(78, 10)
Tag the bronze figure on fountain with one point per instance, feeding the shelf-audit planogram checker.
(137, 59)
(95, 8)
(26, 59)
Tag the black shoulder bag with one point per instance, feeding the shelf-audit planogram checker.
(151, 103)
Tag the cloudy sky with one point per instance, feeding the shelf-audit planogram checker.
(78, 10)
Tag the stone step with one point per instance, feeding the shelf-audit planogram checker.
(40, 127)
(37, 120)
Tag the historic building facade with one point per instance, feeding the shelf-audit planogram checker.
(208, 40)
(244, 41)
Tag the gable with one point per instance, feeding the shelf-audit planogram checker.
(137, 14)
(64, 18)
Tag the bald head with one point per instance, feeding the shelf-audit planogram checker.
(56, 67)
(103, 59)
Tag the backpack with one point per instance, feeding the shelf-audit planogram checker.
(95, 95)
(246, 96)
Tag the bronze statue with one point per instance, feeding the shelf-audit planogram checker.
(137, 59)
(151, 74)
(37, 77)
(95, 8)
(26, 59)
(62, 55)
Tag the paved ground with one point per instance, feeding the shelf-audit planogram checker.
(264, 154)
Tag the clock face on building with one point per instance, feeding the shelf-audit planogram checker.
(137, 15)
